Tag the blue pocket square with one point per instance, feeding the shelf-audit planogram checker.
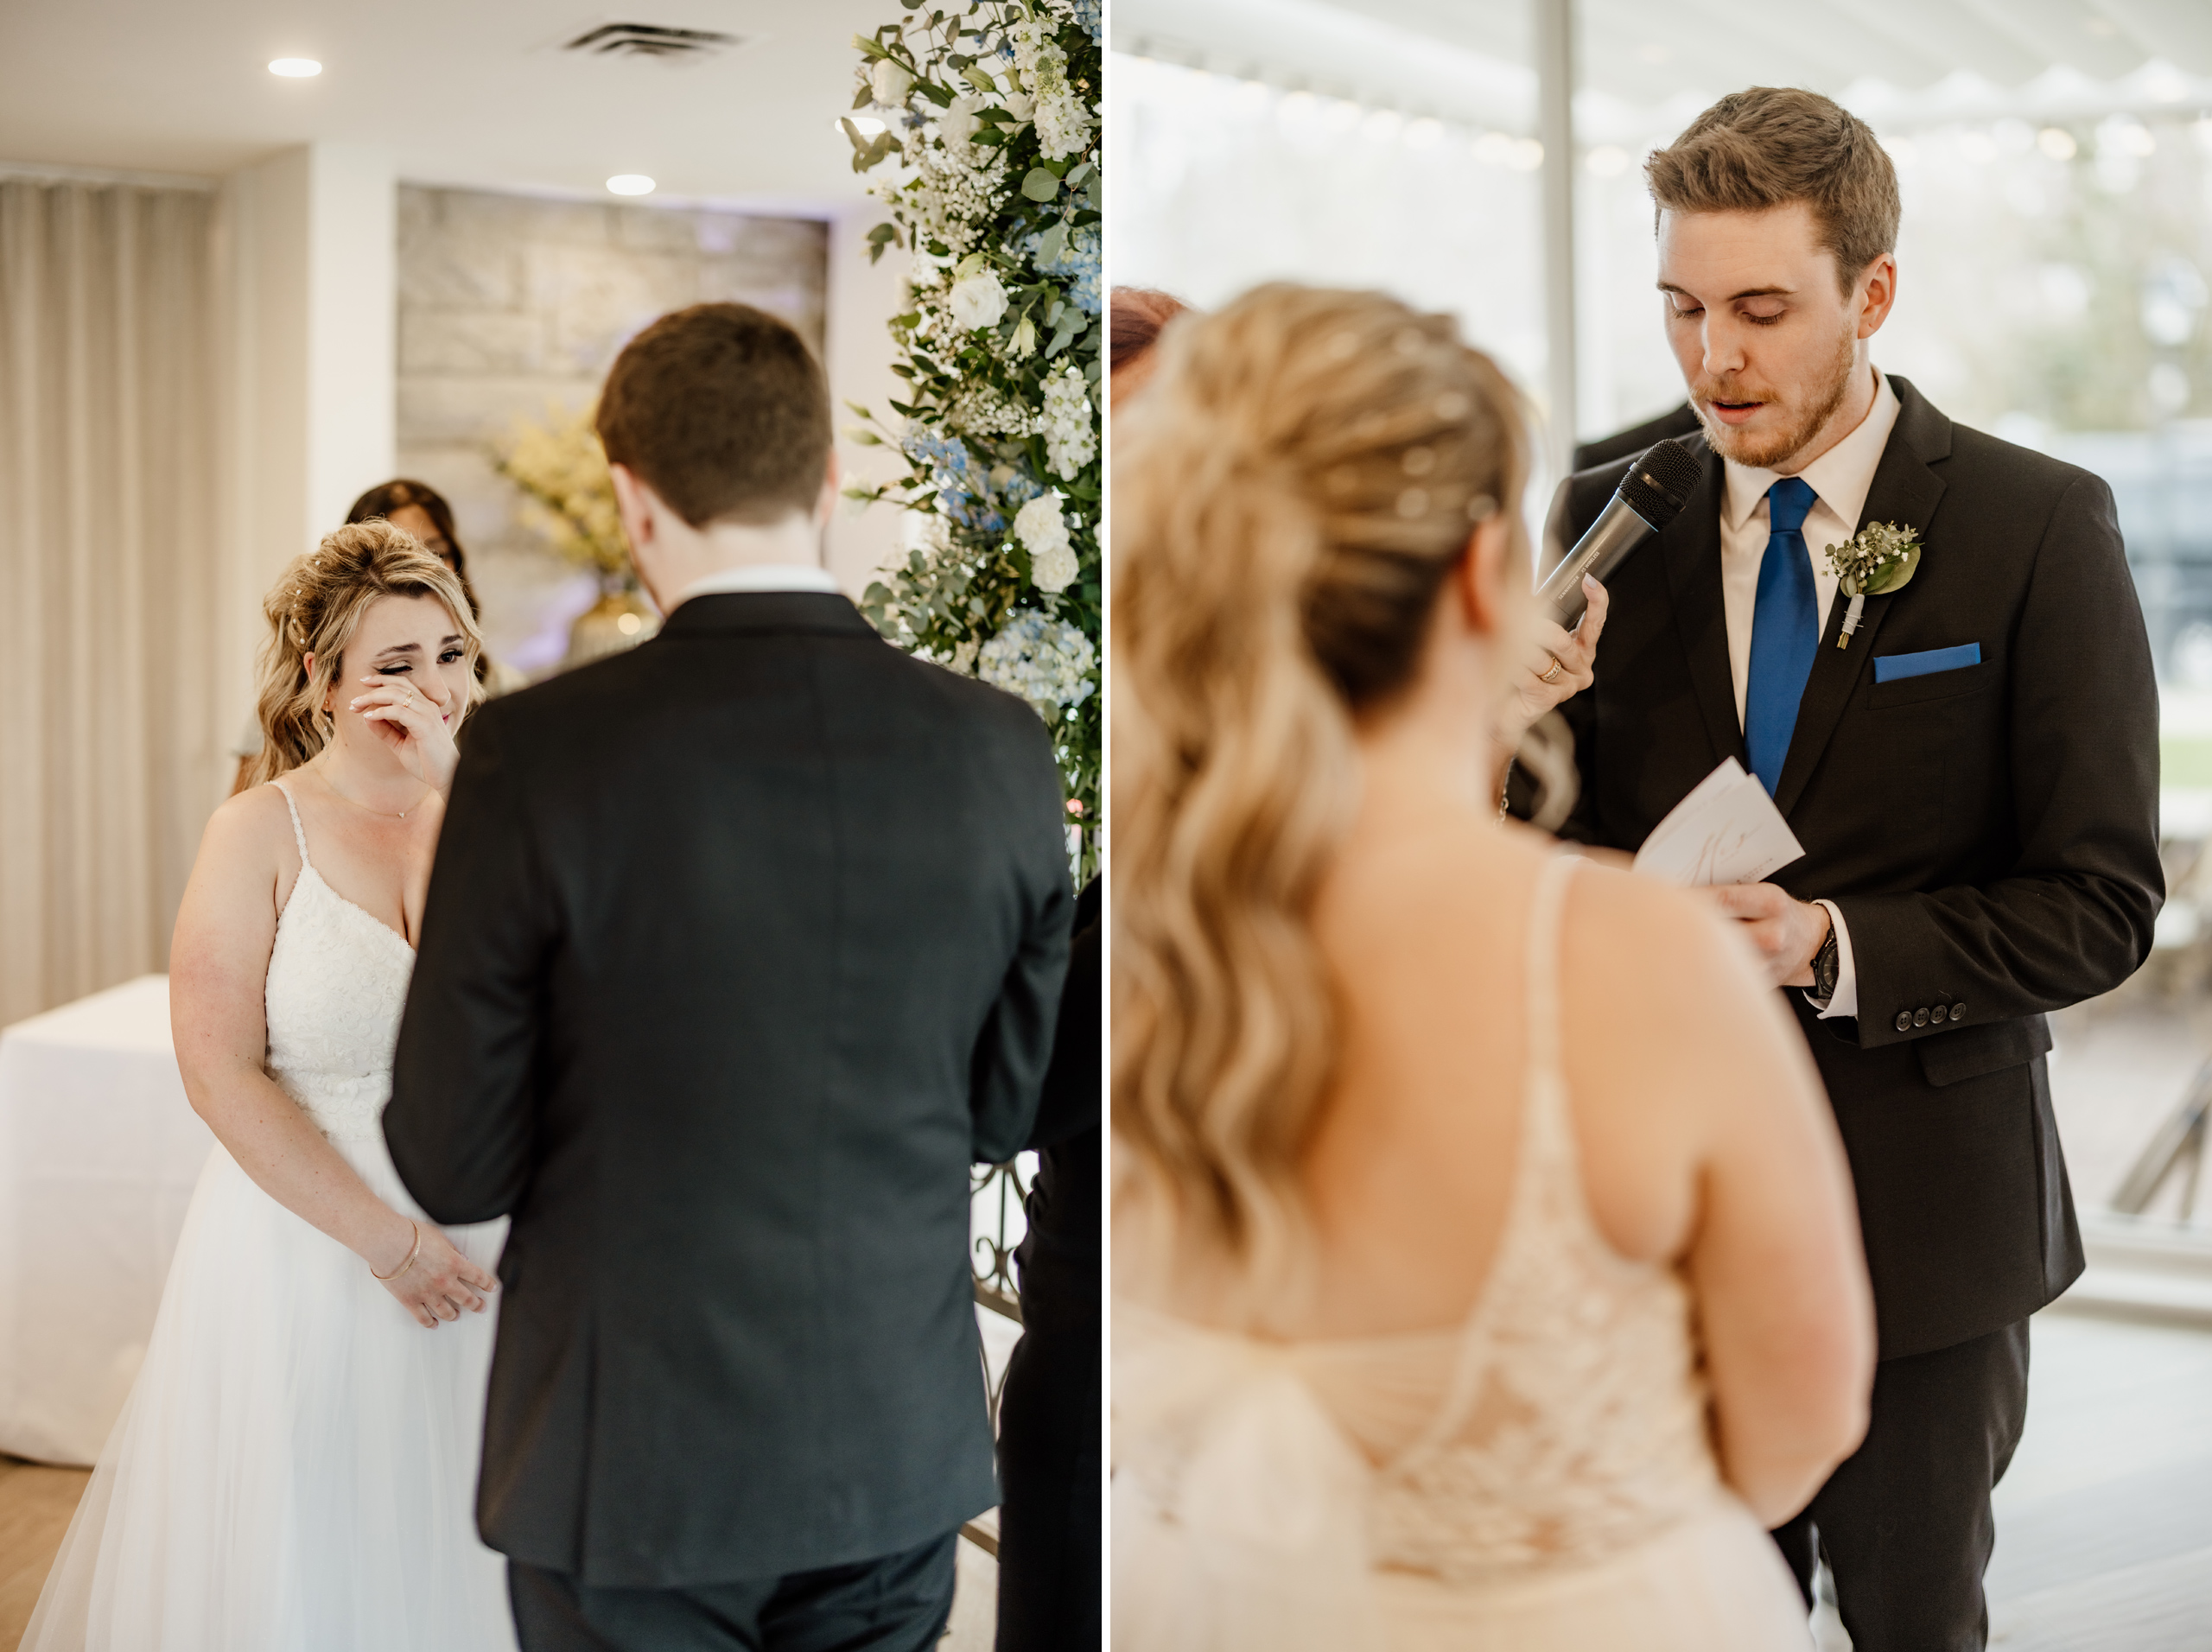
(1888, 668)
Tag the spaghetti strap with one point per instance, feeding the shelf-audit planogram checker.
(299, 833)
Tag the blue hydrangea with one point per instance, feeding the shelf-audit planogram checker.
(964, 490)
(1089, 15)
(1079, 259)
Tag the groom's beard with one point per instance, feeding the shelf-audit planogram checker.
(1766, 449)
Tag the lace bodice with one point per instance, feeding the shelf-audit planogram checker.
(1562, 1422)
(337, 983)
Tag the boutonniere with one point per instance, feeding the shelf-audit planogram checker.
(1881, 557)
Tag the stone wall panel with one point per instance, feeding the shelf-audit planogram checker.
(509, 303)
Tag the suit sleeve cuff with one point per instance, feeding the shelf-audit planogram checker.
(1845, 1004)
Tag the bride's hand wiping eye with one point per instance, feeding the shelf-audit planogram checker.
(415, 722)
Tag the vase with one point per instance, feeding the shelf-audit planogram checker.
(618, 620)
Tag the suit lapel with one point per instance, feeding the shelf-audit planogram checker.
(1906, 491)
(1692, 548)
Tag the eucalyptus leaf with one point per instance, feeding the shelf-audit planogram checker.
(1041, 184)
(1895, 574)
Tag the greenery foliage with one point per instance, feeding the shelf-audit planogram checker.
(989, 152)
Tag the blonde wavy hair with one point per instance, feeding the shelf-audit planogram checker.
(1290, 494)
(314, 608)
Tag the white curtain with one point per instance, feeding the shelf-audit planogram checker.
(109, 413)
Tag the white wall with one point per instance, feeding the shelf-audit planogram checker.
(862, 299)
(307, 256)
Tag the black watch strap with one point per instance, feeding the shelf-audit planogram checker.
(1828, 967)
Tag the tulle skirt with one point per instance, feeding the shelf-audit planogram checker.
(1714, 1583)
(295, 1468)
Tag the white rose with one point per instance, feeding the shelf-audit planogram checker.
(1053, 571)
(957, 124)
(1044, 533)
(890, 83)
(978, 301)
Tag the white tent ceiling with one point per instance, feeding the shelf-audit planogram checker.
(464, 92)
(1903, 63)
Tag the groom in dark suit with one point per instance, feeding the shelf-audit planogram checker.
(740, 948)
(1973, 772)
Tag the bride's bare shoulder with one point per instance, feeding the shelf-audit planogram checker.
(249, 832)
(1658, 953)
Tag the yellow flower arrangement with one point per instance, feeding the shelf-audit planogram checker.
(567, 492)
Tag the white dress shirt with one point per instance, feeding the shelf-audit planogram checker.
(1839, 478)
(764, 577)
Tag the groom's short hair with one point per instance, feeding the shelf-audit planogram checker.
(1769, 146)
(721, 410)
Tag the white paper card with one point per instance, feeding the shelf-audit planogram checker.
(1727, 830)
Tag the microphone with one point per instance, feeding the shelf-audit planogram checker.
(1651, 495)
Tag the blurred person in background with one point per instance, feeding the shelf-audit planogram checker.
(1485, 1272)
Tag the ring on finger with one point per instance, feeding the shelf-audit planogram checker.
(1552, 676)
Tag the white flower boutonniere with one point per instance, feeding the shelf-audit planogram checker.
(1881, 557)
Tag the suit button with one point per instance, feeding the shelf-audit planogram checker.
(1904, 1021)
(1920, 1018)
(1958, 1012)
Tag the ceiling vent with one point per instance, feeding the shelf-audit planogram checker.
(651, 39)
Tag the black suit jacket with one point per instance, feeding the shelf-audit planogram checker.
(1680, 422)
(1062, 1253)
(741, 948)
(1989, 834)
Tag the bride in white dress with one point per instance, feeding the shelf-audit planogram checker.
(295, 1468)
(1486, 1271)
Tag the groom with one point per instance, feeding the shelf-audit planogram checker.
(1973, 777)
(740, 948)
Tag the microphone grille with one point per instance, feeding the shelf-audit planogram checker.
(1661, 482)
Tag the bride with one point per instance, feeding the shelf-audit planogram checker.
(1486, 1269)
(295, 1465)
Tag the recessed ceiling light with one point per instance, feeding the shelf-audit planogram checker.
(631, 183)
(295, 68)
(867, 125)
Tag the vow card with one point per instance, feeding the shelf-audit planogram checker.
(1727, 830)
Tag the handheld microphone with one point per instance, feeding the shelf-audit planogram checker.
(1651, 495)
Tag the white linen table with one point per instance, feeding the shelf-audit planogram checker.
(99, 1152)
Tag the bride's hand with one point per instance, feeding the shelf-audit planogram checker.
(418, 728)
(1560, 663)
(438, 1282)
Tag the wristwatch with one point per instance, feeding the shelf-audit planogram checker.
(1828, 966)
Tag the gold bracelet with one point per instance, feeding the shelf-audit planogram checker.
(410, 1262)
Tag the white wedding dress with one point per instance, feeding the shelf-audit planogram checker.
(295, 1468)
(1539, 1479)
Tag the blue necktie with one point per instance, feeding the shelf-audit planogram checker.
(1785, 632)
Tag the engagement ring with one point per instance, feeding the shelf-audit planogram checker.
(1552, 676)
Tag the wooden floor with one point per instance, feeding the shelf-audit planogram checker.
(35, 1504)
